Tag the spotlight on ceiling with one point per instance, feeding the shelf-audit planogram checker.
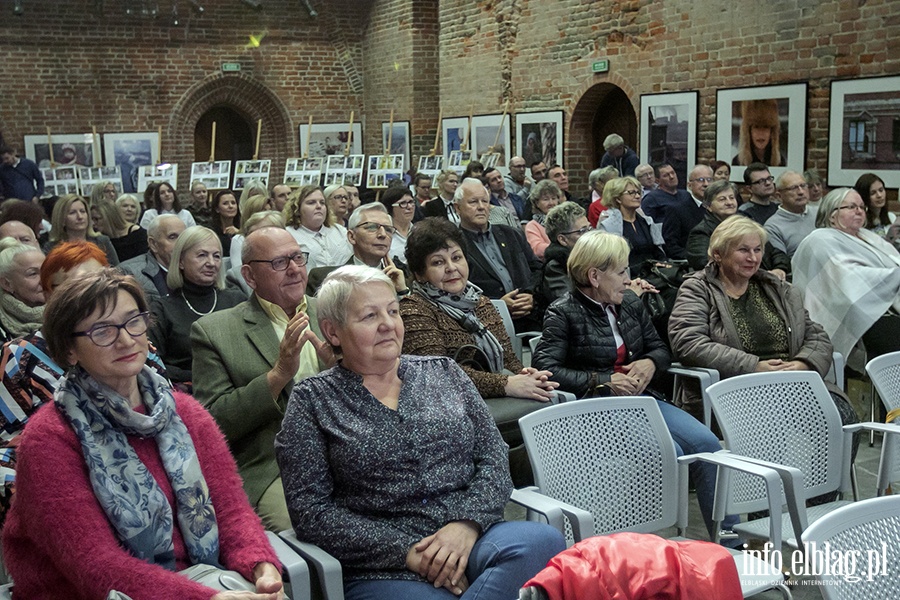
(18, 9)
(310, 9)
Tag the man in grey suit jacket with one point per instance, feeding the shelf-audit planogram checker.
(247, 359)
(150, 269)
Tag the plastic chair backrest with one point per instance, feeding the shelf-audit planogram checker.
(786, 417)
(613, 457)
(516, 341)
(867, 531)
(884, 371)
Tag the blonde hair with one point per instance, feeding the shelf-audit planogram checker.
(614, 188)
(61, 211)
(110, 215)
(596, 250)
(291, 210)
(188, 239)
(265, 218)
(124, 198)
(730, 231)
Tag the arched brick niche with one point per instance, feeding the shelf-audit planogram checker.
(245, 95)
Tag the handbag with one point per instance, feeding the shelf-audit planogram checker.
(208, 575)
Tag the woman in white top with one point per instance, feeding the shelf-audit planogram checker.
(870, 188)
(401, 206)
(165, 202)
(311, 222)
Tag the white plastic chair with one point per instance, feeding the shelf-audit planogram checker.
(884, 371)
(514, 338)
(329, 576)
(604, 465)
(867, 530)
(786, 421)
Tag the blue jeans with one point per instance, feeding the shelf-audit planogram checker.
(692, 437)
(502, 560)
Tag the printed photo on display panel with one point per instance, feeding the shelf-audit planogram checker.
(214, 175)
(303, 171)
(453, 135)
(399, 141)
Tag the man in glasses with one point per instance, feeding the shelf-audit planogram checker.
(247, 359)
(370, 232)
(761, 184)
(795, 218)
(684, 214)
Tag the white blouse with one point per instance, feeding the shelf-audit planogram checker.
(327, 247)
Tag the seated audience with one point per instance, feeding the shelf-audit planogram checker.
(721, 170)
(514, 204)
(619, 156)
(850, 277)
(128, 239)
(721, 202)
(28, 213)
(515, 181)
(565, 224)
(817, 189)
(310, 220)
(544, 196)
(22, 299)
(199, 206)
(103, 191)
(177, 500)
(393, 463)
(538, 169)
(559, 175)
(339, 202)
(446, 315)
(20, 232)
(72, 223)
(598, 340)
(655, 204)
(129, 208)
(645, 174)
(442, 206)
(475, 170)
(164, 202)
(737, 318)
(422, 186)
(794, 219)
(597, 179)
(625, 218)
(225, 219)
(402, 209)
(870, 188)
(150, 269)
(685, 213)
(761, 185)
(247, 359)
(253, 205)
(197, 283)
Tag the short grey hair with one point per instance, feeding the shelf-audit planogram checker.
(544, 186)
(334, 293)
(156, 223)
(10, 248)
(461, 192)
(613, 140)
(191, 237)
(643, 167)
(357, 217)
(329, 191)
(716, 188)
(829, 204)
(561, 218)
(779, 181)
(603, 174)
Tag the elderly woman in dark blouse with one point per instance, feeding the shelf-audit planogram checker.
(393, 464)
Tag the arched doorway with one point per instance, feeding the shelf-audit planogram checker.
(614, 114)
(234, 137)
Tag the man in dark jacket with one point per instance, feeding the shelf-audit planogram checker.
(619, 155)
(19, 177)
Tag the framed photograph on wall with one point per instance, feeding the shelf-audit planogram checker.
(453, 134)
(486, 140)
(399, 141)
(762, 124)
(129, 152)
(539, 137)
(328, 139)
(668, 130)
(864, 130)
(75, 149)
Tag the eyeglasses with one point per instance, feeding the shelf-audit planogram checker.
(581, 231)
(106, 334)
(852, 207)
(340, 197)
(706, 179)
(522, 166)
(405, 203)
(796, 188)
(768, 179)
(371, 227)
(631, 193)
(281, 263)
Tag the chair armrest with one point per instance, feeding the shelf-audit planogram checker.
(327, 567)
(773, 480)
(705, 377)
(296, 568)
(888, 428)
(553, 510)
(836, 372)
(562, 396)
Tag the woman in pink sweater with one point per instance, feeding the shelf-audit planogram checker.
(120, 482)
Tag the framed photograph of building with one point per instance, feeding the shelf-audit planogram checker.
(864, 130)
(399, 139)
(762, 124)
(486, 140)
(454, 135)
(539, 137)
(76, 149)
(328, 139)
(668, 130)
(129, 152)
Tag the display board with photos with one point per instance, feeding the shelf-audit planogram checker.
(431, 165)
(303, 171)
(249, 171)
(164, 173)
(384, 169)
(215, 175)
(88, 177)
(459, 160)
(60, 181)
(340, 169)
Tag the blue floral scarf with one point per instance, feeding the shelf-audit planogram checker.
(134, 503)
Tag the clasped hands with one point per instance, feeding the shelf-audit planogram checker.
(531, 384)
(634, 380)
(442, 557)
(519, 303)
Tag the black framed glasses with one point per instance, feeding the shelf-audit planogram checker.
(581, 231)
(106, 334)
(406, 203)
(372, 227)
(768, 179)
(281, 263)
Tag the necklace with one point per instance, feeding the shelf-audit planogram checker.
(197, 312)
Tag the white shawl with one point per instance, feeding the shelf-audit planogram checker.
(848, 282)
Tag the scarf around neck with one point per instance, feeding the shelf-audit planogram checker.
(18, 318)
(133, 502)
(461, 308)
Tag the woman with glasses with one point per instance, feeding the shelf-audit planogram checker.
(402, 207)
(122, 483)
(197, 283)
(850, 277)
(338, 200)
(312, 223)
(543, 197)
(447, 315)
(625, 218)
(565, 224)
(442, 206)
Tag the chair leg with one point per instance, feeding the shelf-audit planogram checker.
(873, 409)
(785, 591)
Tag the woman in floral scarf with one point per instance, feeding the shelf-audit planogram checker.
(121, 483)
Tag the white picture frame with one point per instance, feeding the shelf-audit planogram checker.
(668, 131)
(431, 166)
(248, 171)
(60, 181)
(303, 171)
(88, 177)
(484, 133)
(383, 169)
(343, 170)
(328, 139)
(214, 175)
(166, 172)
(130, 151)
(68, 149)
(539, 137)
(453, 134)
